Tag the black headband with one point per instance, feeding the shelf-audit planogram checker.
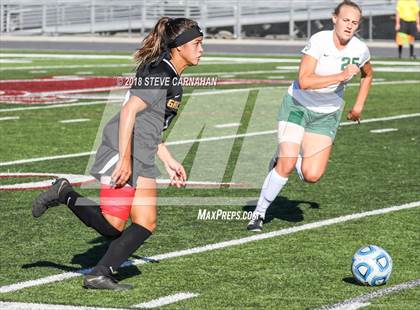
(186, 36)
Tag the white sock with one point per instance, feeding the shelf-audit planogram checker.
(272, 186)
(298, 167)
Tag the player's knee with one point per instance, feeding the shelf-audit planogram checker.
(312, 176)
(285, 166)
(151, 226)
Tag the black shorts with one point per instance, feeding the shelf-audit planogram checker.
(408, 28)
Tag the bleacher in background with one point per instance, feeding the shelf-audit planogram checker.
(219, 18)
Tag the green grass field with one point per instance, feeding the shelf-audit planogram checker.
(305, 269)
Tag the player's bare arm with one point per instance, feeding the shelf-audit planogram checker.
(122, 171)
(175, 170)
(309, 80)
(365, 83)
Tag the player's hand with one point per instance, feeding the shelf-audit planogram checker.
(350, 71)
(354, 115)
(122, 172)
(176, 172)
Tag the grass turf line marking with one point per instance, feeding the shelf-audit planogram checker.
(227, 125)
(32, 160)
(38, 71)
(203, 93)
(9, 118)
(52, 106)
(360, 301)
(162, 301)
(250, 134)
(66, 105)
(65, 67)
(77, 120)
(383, 130)
(205, 58)
(214, 246)
(33, 306)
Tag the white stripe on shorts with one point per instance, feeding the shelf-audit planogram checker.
(110, 163)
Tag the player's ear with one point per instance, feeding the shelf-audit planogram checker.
(334, 19)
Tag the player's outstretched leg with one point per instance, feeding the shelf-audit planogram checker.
(88, 211)
(49, 198)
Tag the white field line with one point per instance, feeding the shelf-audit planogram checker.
(209, 139)
(77, 120)
(33, 306)
(208, 61)
(55, 106)
(355, 306)
(165, 300)
(204, 58)
(66, 67)
(201, 93)
(281, 69)
(382, 119)
(215, 246)
(227, 125)
(360, 301)
(15, 61)
(205, 93)
(376, 69)
(397, 69)
(235, 72)
(33, 160)
(64, 56)
(66, 105)
(78, 91)
(9, 118)
(383, 130)
(51, 79)
(275, 77)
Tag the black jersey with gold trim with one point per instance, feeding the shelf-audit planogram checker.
(164, 77)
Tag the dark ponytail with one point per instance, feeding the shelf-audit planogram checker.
(156, 42)
(153, 43)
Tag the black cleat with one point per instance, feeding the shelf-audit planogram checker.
(255, 224)
(102, 282)
(49, 198)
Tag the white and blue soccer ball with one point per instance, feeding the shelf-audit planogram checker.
(371, 265)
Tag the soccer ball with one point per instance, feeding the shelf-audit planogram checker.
(371, 265)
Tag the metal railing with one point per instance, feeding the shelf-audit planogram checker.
(58, 17)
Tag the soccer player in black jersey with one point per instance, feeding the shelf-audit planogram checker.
(125, 160)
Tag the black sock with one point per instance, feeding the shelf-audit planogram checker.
(88, 212)
(399, 51)
(411, 50)
(121, 248)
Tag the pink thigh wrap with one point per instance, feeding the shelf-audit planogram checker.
(116, 201)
